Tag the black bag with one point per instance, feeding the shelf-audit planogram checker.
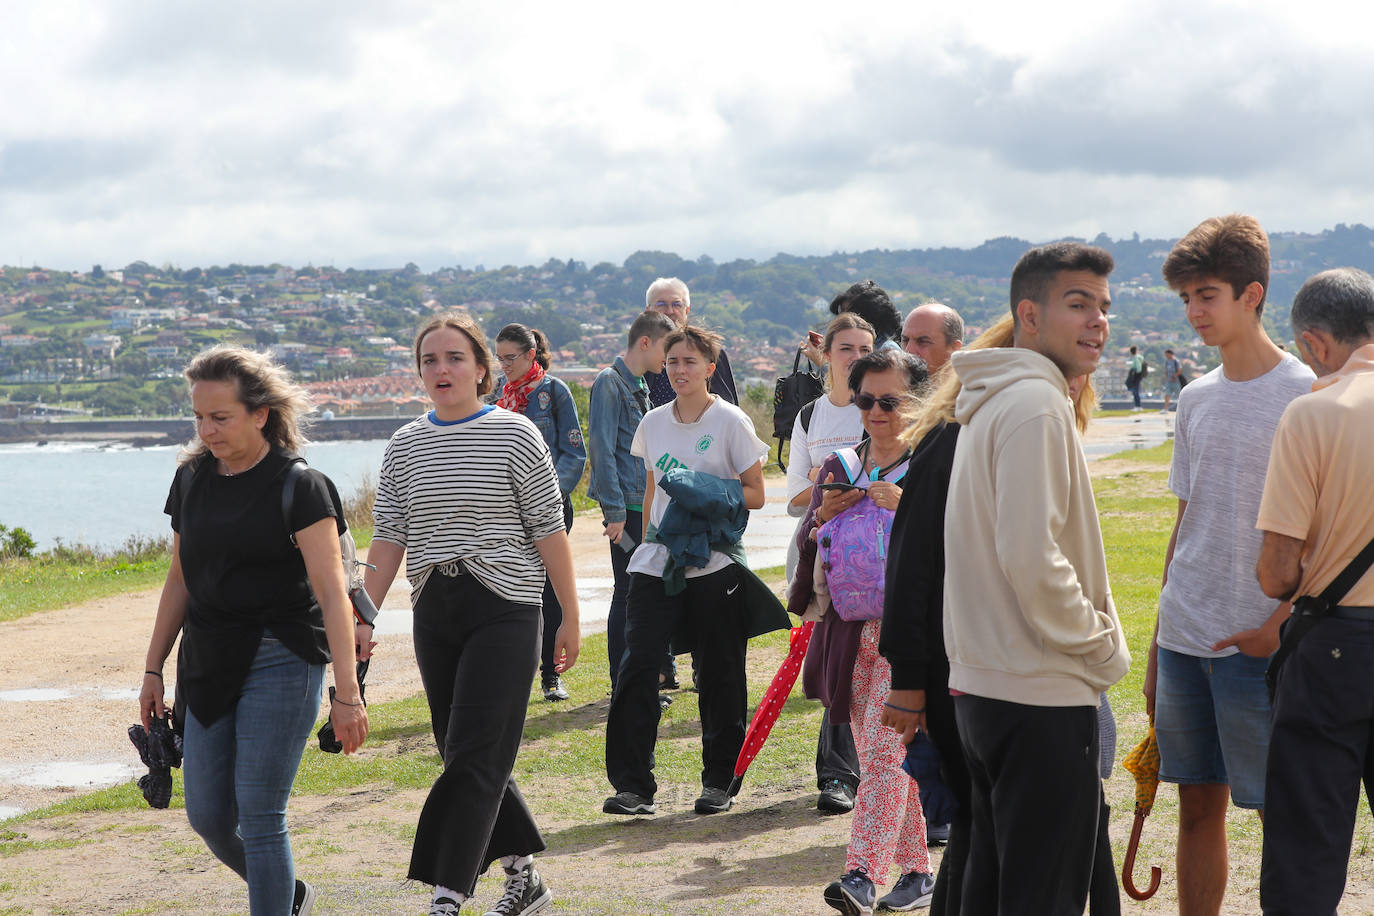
(1308, 612)
(790, 395)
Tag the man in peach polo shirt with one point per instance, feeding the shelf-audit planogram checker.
(1315, 515)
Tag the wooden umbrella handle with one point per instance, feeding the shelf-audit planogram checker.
(1128, 866)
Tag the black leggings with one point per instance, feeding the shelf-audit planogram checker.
(552, 610)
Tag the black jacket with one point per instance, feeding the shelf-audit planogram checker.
(913, 634)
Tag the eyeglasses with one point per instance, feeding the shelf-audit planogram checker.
(507, 360)
(887, 402)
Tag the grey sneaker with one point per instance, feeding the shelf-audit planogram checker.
(853, 894)
(525, 893)
(837, 797)
(713, 801)
(304, 899)
(627, 803)
(553, 689)
(912, 891)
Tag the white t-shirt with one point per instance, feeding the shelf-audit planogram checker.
(831, 428)
(722, 443)
(1221, 453)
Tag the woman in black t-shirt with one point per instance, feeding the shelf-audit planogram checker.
(258, 619)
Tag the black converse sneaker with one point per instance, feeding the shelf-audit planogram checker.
(303, 900)
(444, 906)
(525, 893)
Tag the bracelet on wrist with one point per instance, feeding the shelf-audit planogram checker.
(334, 699)
(904, 708)
(156, 674)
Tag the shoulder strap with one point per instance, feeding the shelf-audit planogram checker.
(806, 413)
(288, 494)
(853, 466)
(1340, 586)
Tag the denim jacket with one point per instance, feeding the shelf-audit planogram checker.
(618, 402)
(552, 410)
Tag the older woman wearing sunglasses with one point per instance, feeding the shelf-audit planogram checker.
(843, 668)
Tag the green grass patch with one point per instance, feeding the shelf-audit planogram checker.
(48, 582)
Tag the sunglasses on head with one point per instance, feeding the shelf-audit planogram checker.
(888, 402)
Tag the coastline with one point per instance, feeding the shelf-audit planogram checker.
(144, 433)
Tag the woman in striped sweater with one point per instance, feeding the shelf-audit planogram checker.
(468, 495)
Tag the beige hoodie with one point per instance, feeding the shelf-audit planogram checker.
(1028, 611)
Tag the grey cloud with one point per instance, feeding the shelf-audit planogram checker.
(301, 36)
(61, 163)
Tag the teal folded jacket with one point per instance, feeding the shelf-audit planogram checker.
(708, 514)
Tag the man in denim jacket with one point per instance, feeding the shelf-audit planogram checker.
(619, 400)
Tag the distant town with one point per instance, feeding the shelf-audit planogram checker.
(111, 342)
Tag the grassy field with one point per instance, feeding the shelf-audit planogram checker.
(353, 817)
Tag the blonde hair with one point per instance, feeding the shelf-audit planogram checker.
(938, 409)
(464, 325)
(260, 383)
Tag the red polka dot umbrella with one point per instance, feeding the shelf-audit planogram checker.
(770, 707)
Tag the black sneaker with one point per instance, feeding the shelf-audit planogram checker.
(525, 893)
(837, 797)
(304, 899)
(852, 895)
(627, 803)
(912, 891)
(664, 701)
(554, 689)
(713, 801)
(444, 906)
(937, 834)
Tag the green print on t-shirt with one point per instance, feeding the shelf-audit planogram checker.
(667, 462)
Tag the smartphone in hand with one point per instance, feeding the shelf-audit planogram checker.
(838, 485)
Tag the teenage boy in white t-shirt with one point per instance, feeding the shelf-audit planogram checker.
(704, 433)
(1216, 629)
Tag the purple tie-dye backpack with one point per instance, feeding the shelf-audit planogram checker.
(853, 547)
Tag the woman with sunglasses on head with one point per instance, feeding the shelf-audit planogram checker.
(843, 668)
(527, 388)
(467, 495)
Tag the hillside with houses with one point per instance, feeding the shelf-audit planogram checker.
(112, 341)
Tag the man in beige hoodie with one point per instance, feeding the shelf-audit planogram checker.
(1032, 634)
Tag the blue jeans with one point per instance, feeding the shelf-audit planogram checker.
(238, 773)
(1212, 723)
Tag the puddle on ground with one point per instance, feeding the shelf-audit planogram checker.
(70, 774)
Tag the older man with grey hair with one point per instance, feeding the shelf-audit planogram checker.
(670, 296)
(1317, 548)
(933, 331)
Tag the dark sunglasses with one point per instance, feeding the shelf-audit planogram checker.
(865, 401)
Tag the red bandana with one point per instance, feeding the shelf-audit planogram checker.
(516, 395)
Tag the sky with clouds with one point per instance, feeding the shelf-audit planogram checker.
(371, 134)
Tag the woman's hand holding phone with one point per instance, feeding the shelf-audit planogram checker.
(835, 500)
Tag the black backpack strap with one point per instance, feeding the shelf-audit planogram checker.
(806, 413)
(288, 495)
(1353, 573)
(1309, 611)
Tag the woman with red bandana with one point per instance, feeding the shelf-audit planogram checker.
(527, 388)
